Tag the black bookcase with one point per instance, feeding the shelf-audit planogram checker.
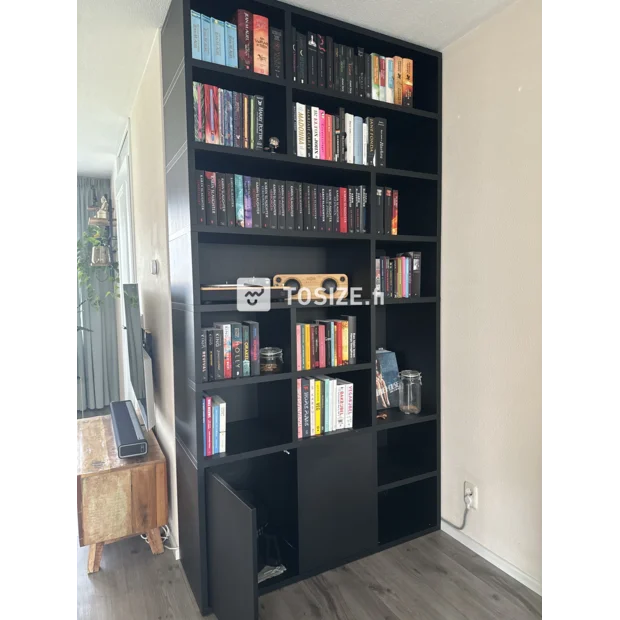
(347, 494)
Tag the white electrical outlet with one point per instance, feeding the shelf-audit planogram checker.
(469, 488)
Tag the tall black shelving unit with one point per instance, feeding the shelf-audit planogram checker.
(347, 494)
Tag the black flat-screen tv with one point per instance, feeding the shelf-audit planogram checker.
(138, 355)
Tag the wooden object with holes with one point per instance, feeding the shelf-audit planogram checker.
(117, 497)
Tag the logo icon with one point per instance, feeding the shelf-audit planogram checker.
(253, 295)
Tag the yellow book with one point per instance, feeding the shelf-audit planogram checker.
(307, 347)
(345, 342)
(317, 407)
(398, 80)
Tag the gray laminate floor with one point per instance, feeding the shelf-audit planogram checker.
(432, 578)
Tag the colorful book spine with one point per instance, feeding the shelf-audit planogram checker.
(305, 407)
(199, 112)
(317, 407)
(329, 130)
(218, 48)
(407, 82)
(238, 120)
(232, 57)
(301, 129)
(204, 361)
(321, 346)
(259, 126)
(208, 404)
(216, 429)
(246, 121)
(381, 78)
(254, 347)
(376, 77)
(341, 406)
(300, 430)
(218, 354)
(205, 25)
(307, 347)
(398, 80)
(239, 206)
(312, 407)
(247, 202)
(349, 120)
(389, 80)
(227, 345)
(196, 26)
(275, 52)
(316, 132)
(345, 342)
(348, 417)
(244, 23)
(236, 338)
(298, 350)
(261, 44)
(321, 134)
(395, 212)
(246, 350)
(358, 140)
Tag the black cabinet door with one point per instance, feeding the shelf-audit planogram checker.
(231, 552)
(337, 489)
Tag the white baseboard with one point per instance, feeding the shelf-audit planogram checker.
(505, 566)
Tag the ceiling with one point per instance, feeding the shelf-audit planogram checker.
(115, 38)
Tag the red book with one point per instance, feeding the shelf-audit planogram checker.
(321, 346)
(298, 344)
(300, 430)
(261, 44)
(395, 212)
(382, 73)
(212, 117)
(338, 343)
(243, 20)
(329, 128)
(208, 426)
(344, 223)
(321, 134)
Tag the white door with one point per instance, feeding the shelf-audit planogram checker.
(126, 248)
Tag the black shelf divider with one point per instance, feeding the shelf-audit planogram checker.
(398, 497)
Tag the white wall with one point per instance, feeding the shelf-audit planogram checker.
(491, 283)
(151, 239)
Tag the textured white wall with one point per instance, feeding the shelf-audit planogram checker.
(491, 283)
(151, 237)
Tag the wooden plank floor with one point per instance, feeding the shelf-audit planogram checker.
(432, 578)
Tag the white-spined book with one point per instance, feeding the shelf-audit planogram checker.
(316, 153)
(301, 129)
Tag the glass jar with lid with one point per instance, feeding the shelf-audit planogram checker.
(410, 391)
(271, 360)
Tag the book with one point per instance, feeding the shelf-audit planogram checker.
(358, 209)
(219, 404)
(386, 379)
(302, 72)
(395, 212)
(376, 78)
(387, 211)
(350, 63)
(313, 71)
(205, 26)
(236, 338)
(245, 38)
(337, 138)
(199, 112)
(293, 43)
(254, 347)
(301, 129)
(239, 206)
(261, 44)
(336, 209)
(349, 138)
(196, 27)
(246, 121)
(322, 219)
(344, 335)
(367, 76)
(289, 218)
(255, 199)
(307, 205)
(207, 408)
(201, 198)
(389, 80)
(380, 141)
(275, 52)
(398, 80)
(221, 199)
(281, 205)
(379, 212)
(211, 198)
(231, 208)
(321, 134)
(218, 46)
(300, 429)
(358, 137)
(298, 352)
(348, 413)
(238, 120)
(210, 354)
(209, 113)
(314, 207)
(299, 207)
(218, 354)
(336, 68)
(305, 407)
(252, 121)
(317, 406)
(227, 347)
(329, 62)
(322, 61)
(352, 337)
(229, 130)
(321, 340)
(215, 426)
(342, 60)
(329, 206)
(325, 404)
(365, 144)
(329, 131)
(315, 133)
(272, 215)
(381, 78)
(344, 213)
(307, 347)
(247, 202)
(309, 144)
(259, 123)
(312, 407)
(361, 72)
(407, 82)
(365, 226)
(232, 58)
(341, 404)
(204, 356)
(221, 106)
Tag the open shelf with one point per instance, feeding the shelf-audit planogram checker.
(395, 418)
(201, 71)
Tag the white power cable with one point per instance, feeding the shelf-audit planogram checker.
(166, 535)
(468, 502)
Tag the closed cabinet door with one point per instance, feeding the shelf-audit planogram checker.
(337, 492)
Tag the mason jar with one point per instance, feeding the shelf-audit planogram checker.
(410, 391)
(271, 360)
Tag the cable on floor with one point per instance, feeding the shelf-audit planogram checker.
(164, 537)
(468, 500)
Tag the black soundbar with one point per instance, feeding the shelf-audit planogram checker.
(128, 434)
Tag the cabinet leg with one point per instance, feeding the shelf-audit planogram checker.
(94, 557)
(155, 542)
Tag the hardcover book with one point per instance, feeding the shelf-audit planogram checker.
(247, 202)
(245, 37)
(246, 121)
(207, 421)
(314, 206)
(196, 26)
(398, 80)
(300, 429)
(218, 50)
(205, 24)
(358, 135)
(312, 59)
(321, 134)
(259, 123)
(220, 404)
(307, 205)
(336, 68)
(349, 138)
(376, 77)
(232, 59)
(365, 144)
(316, 154)
(199, 112)
(329, 132)
(210, 355)
(368, 76)
(336, 209)
(309, 144)
(275, 52)
(389, 80)
(343, 67)
(215, 426)
(252, 120)
(294, 45)
(261, 44)
(238, 120)
(273, 204)
(289, 219)
(408, 82)
(228, 102)
(239, 206)
(361, 69)
(386, 379)
(305, 406)
(379, 211)
(350, 71)
(381, 78)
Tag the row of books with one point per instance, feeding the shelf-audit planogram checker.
(226, 199)
(319, 61)
(340, 137)
(326, 343)
(229, 351)
(324, 404)
(214, 424)
(228, 118)
(399, 277)
(387, 211)
(247, 42)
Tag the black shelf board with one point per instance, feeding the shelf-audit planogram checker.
(332, 370)
(389, 301)
(397, 418)
(407, 538)
(409, 174)
(275, 305)
(331, 436)
(284, 234)
(238, 73)
(241, 381)
(408, 480)
(406, 238)
(334, 94)
(396, 464)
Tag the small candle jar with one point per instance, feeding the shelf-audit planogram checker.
(410, 392)
(271, 360)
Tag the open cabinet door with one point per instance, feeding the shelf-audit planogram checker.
(231, 552)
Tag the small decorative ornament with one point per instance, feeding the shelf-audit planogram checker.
(100, 256)
(274, 143)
